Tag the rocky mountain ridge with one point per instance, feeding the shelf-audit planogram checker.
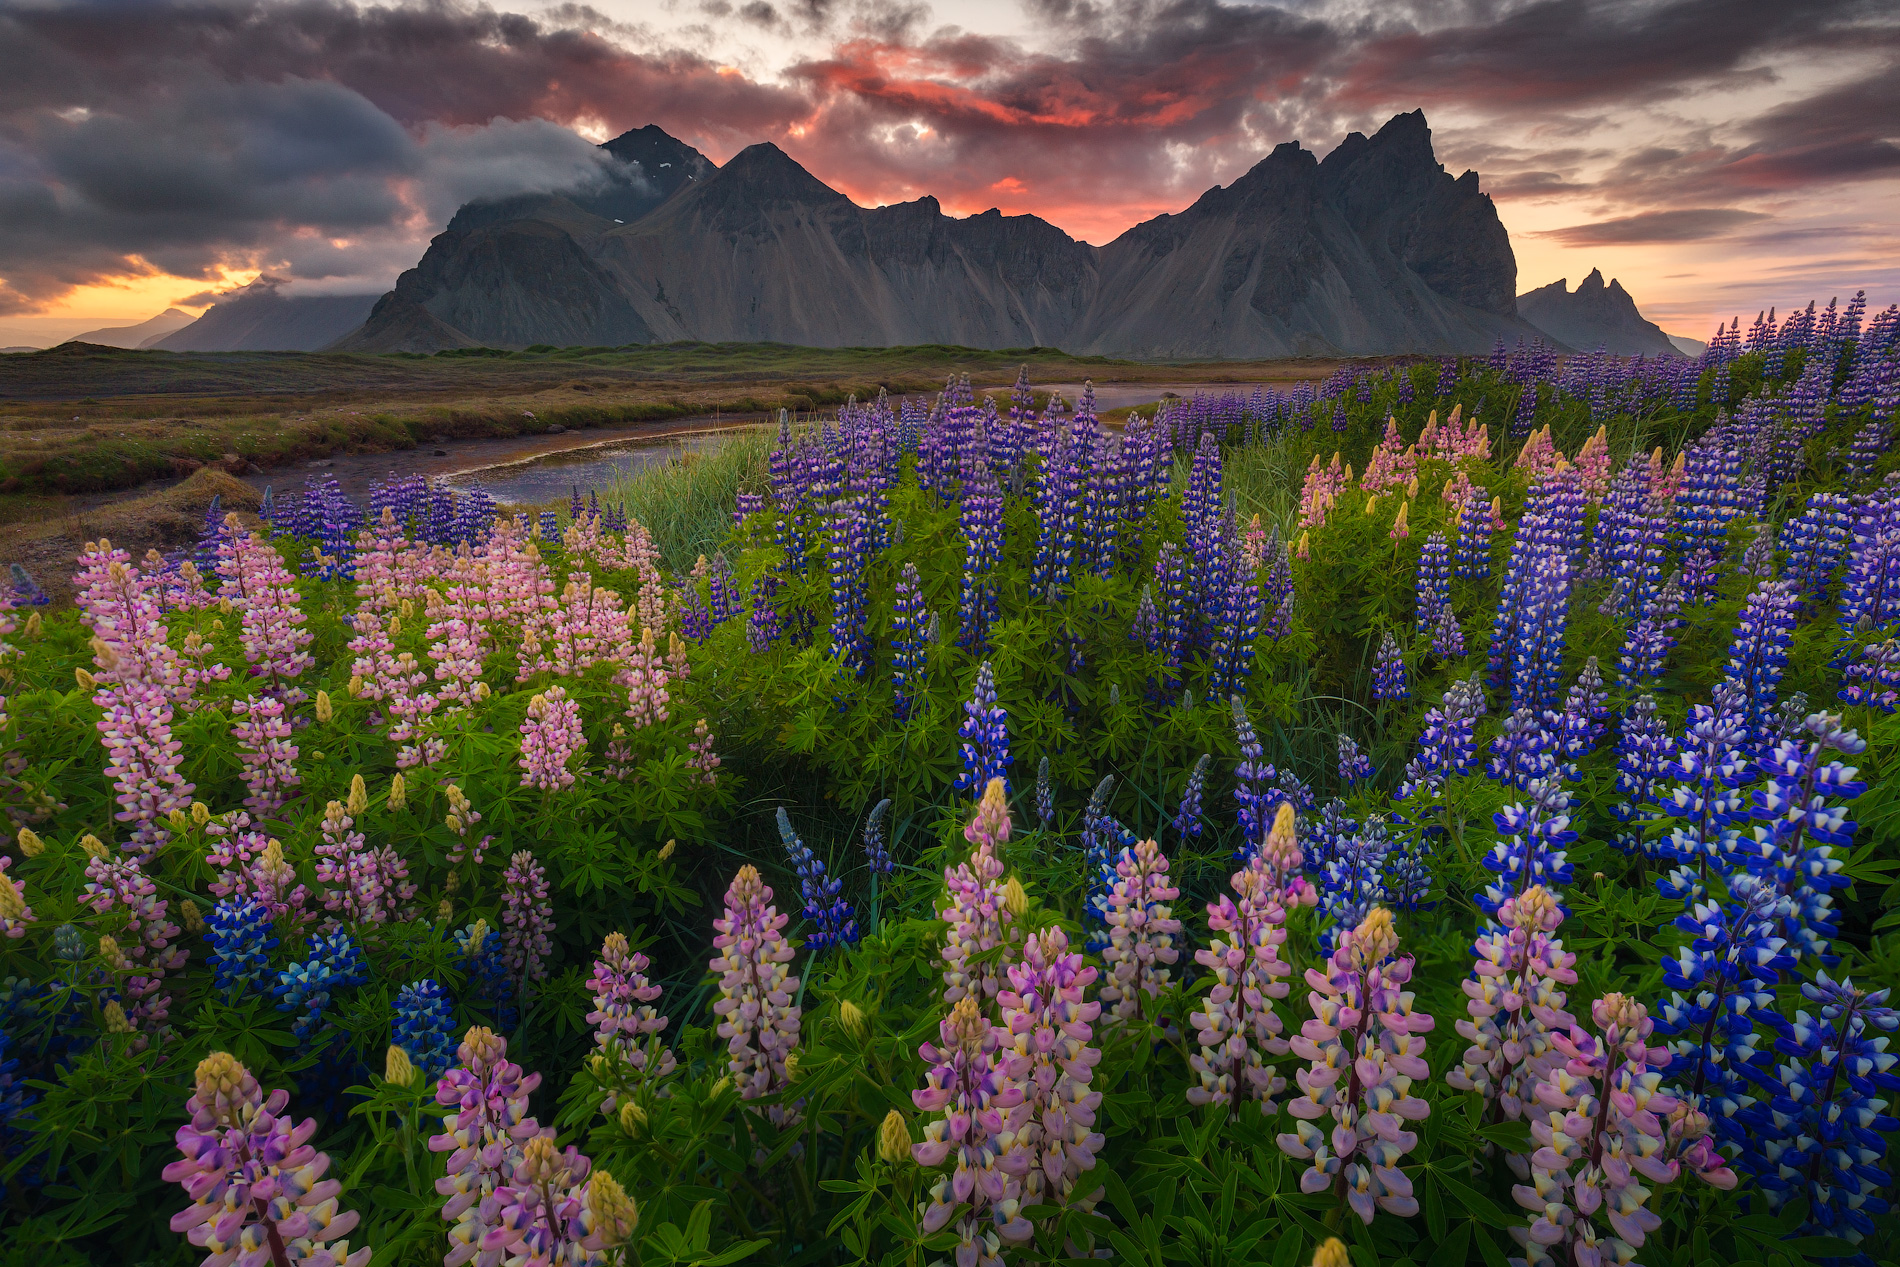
(1594, 316)
(1376, 249)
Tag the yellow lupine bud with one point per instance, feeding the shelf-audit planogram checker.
(851, 1017)
(443, 911)
(720, 1087)
(356, 685)
(31, 845)
(193, 918)
(359, 796)
(116, 1023)
(33, 625)
(324, 711)
(397, 1067)
(179, 820)
(12, 900)
(893, 1139)
(93, 845)
(200, 813)
(1015, 898)
(615, 1214)
(114, 957)
(791, 1065)
(1331, 1253)
(633, 1119)
(86, 680)
(398, 796)
(666, 850)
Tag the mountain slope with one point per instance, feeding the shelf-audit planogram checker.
(258, 319)
(145, 332)
(1594, 316)
(1375, 250)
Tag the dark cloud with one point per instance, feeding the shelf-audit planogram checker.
(1688, 224)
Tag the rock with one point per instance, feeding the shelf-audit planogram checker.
(555, 428)
(440, 453)
(1594, 316)
(236, 464)
(182, 466)
(1377, 249)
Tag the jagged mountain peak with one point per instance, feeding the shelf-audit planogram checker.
(1596, 314)
(766, 171)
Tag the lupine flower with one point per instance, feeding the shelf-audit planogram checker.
(256, 1185)
(700, 755)
(254, 578)
(758, 1018)
(121, 884)
(825, 907)
(1047, 1019)
(985, 733)
(1434, 582)
(1526, 748)
(1365, 1046)
(1445, 744)
(1705, 804)
(1388, 673)
(763, 625)
(976, 906)
(626, 1027)
(1475, 522)
(849, 593)
(1645, 750)
(483, 1137)
(1873, 676)
(1532, 849)
(1352, 867)
(974, 1082)
(1141, 931)
(240, 934)
(362, 885)
(909, 667)
(1585, 711)
(1187, 819)
(877, 850)
(266, 753)
(527, 919)
(1516, 1002)
(1646, 646)
(550, 736)
(550, 1211)
(423, 1026)
(983, 534)
(1045, 795)
(1354, 766)
(1599, 1134)
(1819, 1137)
(1758, 656)
(485, 966)
(1448, 636)
(1237, 1024)
(1802, 850)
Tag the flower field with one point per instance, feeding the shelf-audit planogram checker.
(1439, 816)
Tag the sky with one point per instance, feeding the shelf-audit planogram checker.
(1716, 156)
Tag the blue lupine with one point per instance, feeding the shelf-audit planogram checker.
(1202, 515)
(763, 625)
(1354, 766)
(1187, 819)
(1814, 542)
(1236, 624)
(1758, 656)
(1176, 616)
(1632, 534)
(908, 643)
(1708, 767)
(1803, 848)
(985, 733)
(1408, 880)
(1532, 851)
(1446, 744)
(1645, 751)
(1388, 673)
(485, 967)
(983, 551)
(1448, 636)
(1472, 559)
(1872, 677)
(1045, 795)
(1870, 597)
(1434, 583)
(1527, 747)
(833, 921)
(1537, 653)
(850, 643)
(1586, 711)
(1819, 1137)
(26, 590)
(333, 964)
(1650, 638)
(877, 851)
(423, 1025)
(239, 931)
(1353, 879)
(1708, 501)
(1254, 796)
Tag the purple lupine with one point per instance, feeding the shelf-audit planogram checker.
(1176, 614)
(850, 643)
(1448, 636)
(626, 1026)
(1814, 542)
(1872, 677)
(973, 1082)
(483, 1137)
(1537, 653)
(1434, 583)
(832, 918)
(1645, 750)
(1252, 779)
(985, 734)
(256, 1183)
(1870, 596)
(1650, 638)
(1632, 534)
(1445, 743)
(1141, 932)
(1516, 1005)
(763, 624)
(1355, 767)
(1366, 1046)
(1708, 501)
(1236, 624)
(1237, 1026)
(759, 1017)
(1475, 523)
(1389, 685)
(908, 643)
(1352, 871)
(527, 919)
(1586, 711)
(1187, 819)
(977, 907)
(1758, 656)
(983, 551)
(552, 1211)
(1047, 1018)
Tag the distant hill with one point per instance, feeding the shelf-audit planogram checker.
(259, 319)
(1375, 249)
(1594, 316)
(140, 335)
(1688, 346)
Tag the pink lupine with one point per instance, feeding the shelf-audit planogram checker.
(1539, 456)
(484, 1139)
(181, 588)
(385, 565)
(411, 707)
(373, 663)
(266, 753)
(457, 631)
(626, 1027)
(1593, 465)
(550, 1211)
(1516, 1007)
(252, 865)
(975, 1083)
(197, 667)
(757, 1015)
(700, 754)
(121, 884)
(645, 676)
(1141, 931)
(1598, 1130)
(644, 556)
(976, 910)
(258, 1195)
(520, 585)
(678, 666)
(1366, 1049)
(550, 736)
(1237, 1023)
(1282, 863)
(460, 819)
(264, 593)
(586, 628)
(139, 680)
(361, 885)
(15, 914)
(1392, 463)
(1047, 1021)
(527, 917)
(1321, 490)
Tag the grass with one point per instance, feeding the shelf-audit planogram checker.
(687, 501)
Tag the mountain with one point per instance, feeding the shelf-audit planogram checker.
(1687, 346)
(1594, 316)
(259, 319)
(140, 335)
(1377, 249)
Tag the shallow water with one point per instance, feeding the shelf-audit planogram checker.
(540, 479)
